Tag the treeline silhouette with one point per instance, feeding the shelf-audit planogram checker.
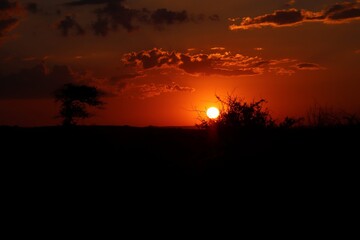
(248, 133)
(244, 144)
(237, 113)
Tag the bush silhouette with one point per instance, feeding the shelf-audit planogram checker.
(237, 113)
(74, 102)
(322, 117)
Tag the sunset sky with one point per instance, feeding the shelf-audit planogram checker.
(162, 61)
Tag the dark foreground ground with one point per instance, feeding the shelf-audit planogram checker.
(145, 154)
(285, 182)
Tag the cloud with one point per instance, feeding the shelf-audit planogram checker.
(214, 17)
(7, 24)
(338, 13)
(212, 63)
(36, 82)
(32, 7)
(282, 71)
(101, 27)
(69, 24)
(6, 5)
(290, 3)
(308, 66)
(165, 16)
(133, 85)
(90, 2)
(218, 48)
(149, 90)
(113, 14)
(9, 17)
(41, 81)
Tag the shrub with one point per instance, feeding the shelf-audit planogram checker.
(237, 113)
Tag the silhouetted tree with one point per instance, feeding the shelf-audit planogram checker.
(74, 101)
(236, 113)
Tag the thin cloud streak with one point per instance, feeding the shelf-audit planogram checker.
(308, 66)
(152, 89)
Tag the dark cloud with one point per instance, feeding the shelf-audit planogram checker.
(90, 2)
(165, 16)
(113, 14)
(338, 7)
(41, 81)
(109, 17)
(278, 18)
(351, 13)
(32, 7)
(69, 24)
(7, 24)
(338, 13)
(9, 12)
(101, 27)
(6, 5)
(36, 82)
(308, 66)
(214, 17)
(130, 85)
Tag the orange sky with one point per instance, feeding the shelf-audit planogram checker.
(163, 61)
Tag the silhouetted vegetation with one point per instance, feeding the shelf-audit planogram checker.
(320, 117)
(74, 101)
(244, 146)
(236, 113)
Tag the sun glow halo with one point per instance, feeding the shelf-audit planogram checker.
(212, 112)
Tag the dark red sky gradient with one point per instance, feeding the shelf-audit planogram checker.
(161, 61)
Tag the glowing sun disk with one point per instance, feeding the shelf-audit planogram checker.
(213, 112)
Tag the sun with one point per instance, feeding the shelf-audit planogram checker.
(212, 112)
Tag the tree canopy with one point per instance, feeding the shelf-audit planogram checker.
(75, 99)
(237, 113)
